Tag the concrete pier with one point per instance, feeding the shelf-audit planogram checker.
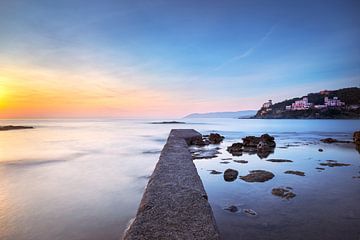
(174, 205)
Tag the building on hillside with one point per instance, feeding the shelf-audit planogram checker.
(335, 102)
(267, 105)
(302, 104)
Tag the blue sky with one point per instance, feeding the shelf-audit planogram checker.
(203, 55)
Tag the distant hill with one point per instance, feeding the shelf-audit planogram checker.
(238, 114)
(351, 110)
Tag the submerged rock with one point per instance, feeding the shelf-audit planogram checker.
(215, 172)
(283, 193)
(249, 212)
(320, 150)
(232, 209)
(278, 160)
(204, 153)
(241, 161)
(168, 122)
(333, 140)
(11, 127)
(333, 163)
(320, 168)
(230, 175)
(258, 176)
(225, 162)
(299, 173)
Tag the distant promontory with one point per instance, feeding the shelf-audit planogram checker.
(335, 104)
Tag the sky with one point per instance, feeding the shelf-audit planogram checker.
(169, 58)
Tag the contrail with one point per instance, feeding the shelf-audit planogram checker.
(247, 52)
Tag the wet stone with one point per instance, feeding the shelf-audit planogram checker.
(283, 193)
(299, 173)
(258, 176)
(241, 161)
(320, 150)
(333, 163)
(225, 162)
(278, 160)
(232, 209)
(230, 175)
(250, 212)
(215, 172)
(235, 149)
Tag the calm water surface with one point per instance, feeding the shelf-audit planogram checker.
(83, 179)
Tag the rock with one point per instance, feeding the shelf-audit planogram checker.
(215, 172)
(240, 161)
(225, 162)
(320, 168)
(215, 138)
(299, 173)
(251, 141)
(264, 154)
(226, 159)
(333, 163)
(198, 141)
(320, 150)
(235, 149)
(265, 147)
(278, 160)
(333, 140)
(283, 193)
(249, 212)
(168, 122)
(356, 138)
(232, 209)
(268, 140)
(11, 127)
(258, 176)
(230, 175)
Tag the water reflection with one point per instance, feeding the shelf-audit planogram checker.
(83, 179)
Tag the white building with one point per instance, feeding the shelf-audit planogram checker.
(335, 102)
(268, 104)
(302, 104)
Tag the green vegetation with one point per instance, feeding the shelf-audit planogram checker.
(351, 97)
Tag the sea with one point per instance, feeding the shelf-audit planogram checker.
(83, 179)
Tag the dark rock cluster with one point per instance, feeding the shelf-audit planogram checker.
(212, 138)
(263, 146)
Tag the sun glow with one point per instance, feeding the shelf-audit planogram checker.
(28, 92)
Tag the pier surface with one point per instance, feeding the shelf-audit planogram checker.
(174, 205)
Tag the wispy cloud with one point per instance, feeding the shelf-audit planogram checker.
(247, 53)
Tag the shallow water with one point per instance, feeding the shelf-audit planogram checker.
(83, 179)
